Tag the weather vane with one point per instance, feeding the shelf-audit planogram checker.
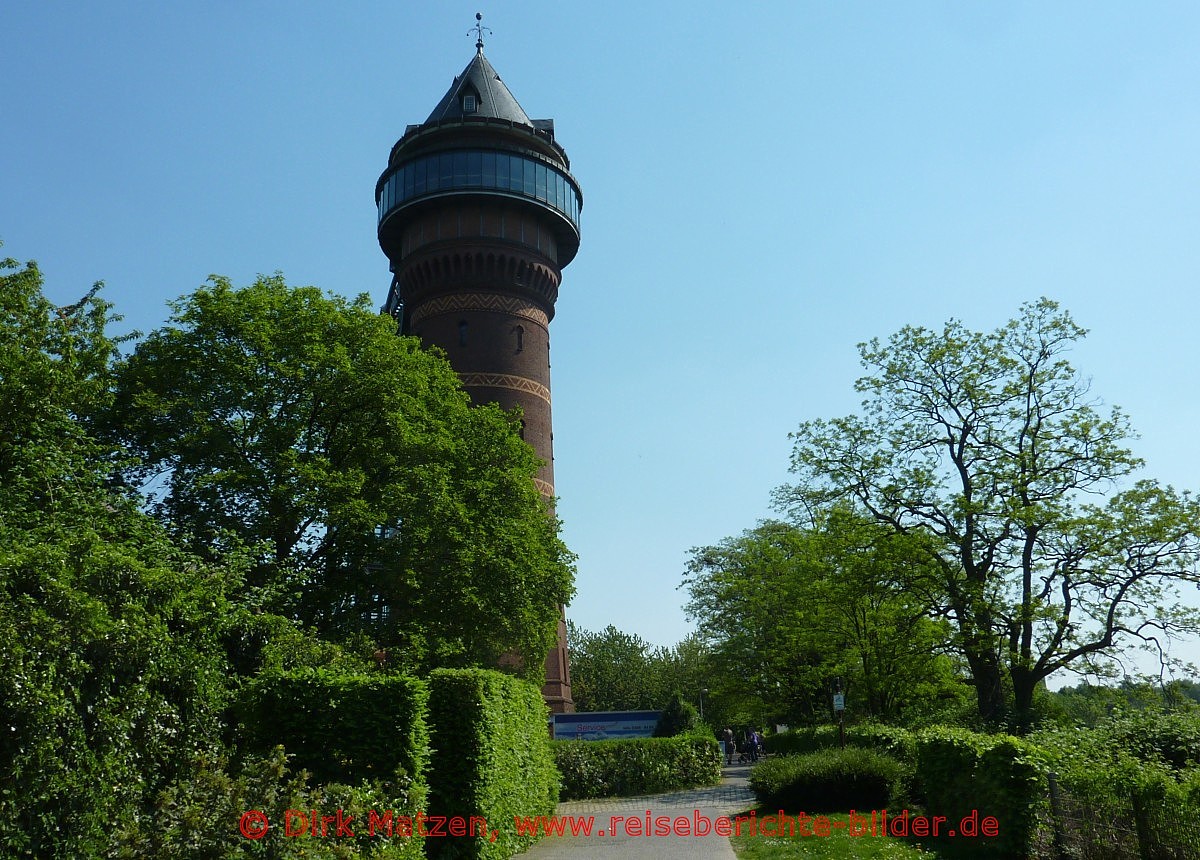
(479, 30)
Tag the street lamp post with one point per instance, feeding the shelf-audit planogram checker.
(702, 692)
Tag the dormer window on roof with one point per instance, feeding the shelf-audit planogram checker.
(479, 84)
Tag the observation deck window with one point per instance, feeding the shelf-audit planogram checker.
(467, 169)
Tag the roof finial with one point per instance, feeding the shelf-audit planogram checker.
(479, 30)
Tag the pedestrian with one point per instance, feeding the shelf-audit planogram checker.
(727, 738)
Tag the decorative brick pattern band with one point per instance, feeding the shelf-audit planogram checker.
(481, 302)
(547, 489)
(506, 380)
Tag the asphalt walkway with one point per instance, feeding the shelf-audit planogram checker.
(701, 805)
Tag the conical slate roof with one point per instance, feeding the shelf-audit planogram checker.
(492, 98)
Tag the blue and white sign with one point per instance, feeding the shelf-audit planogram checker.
(605, 725)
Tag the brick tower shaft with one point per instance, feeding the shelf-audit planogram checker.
(479, 213)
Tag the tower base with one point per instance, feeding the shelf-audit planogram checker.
(557, 689)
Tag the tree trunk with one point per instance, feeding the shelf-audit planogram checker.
(1023, 686)
(989, 689)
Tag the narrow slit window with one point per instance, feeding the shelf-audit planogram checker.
(462, 332)
(520, 333)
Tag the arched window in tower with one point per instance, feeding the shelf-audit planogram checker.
(520, 334)
(522, 430)
(462, 332)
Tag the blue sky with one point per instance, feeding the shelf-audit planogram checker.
(765, 185)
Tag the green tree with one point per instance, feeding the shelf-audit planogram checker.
(53, 368)
(678, 716)
(284, 418)
(112, 671)
(612, 671)
(786, 609)
(1092, 705)
(991, 446)
(616, 671)
(686, 667)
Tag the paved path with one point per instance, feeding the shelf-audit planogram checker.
(730, 797)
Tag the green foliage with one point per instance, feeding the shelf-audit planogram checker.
(112, 674)
(118, 649)
(53, 369)
(381, 503)
(832, 780)
(841, 597)
(1116, 773)
(197, 818)
(262, 643)
(343, 728)
(989, 445)
(1173, 738)
(897, 742)
(112, 680)
(615, 671)
(676, 717)
(612, 671)
(1093, 705)
(632, 766)
(491, 758)
(959, 772)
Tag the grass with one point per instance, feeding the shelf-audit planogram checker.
(838, 845)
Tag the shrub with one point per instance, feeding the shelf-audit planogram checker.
(112, 680)
(635, 766)
(342, 728)
(1124, 796)
(896, 742)
(198, 817)
(959, 772)
(827, 781)
(491, 758)
(1172, 737)
(676, 718)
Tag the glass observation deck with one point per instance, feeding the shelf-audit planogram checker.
(469, 170)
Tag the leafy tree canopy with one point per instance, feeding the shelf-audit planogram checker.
(53, 368)
(112, 669)
(616, 671)
(787, 609)
(282, 418)
(991, 446)
(678, 716)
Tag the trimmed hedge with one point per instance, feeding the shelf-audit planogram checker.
(832, 780)
(960, 772)
(491, 759)
(635, 766)
(891, 740)
(363, 739)
(342, 728)
(953, 772)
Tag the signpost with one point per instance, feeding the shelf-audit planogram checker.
(839, 708)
